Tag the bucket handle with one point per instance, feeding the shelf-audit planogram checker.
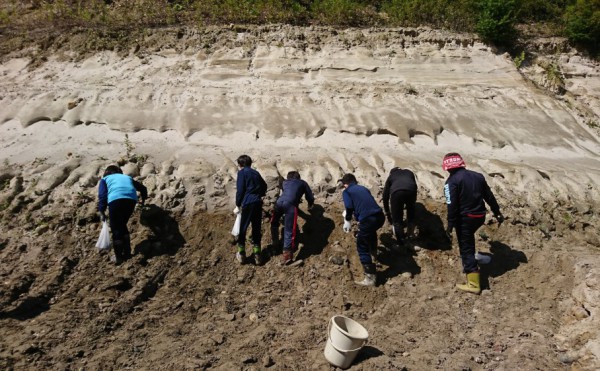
(333, 345)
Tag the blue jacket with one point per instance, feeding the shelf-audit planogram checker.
(118, 186)
(359, 201)
(293, 190)
(251, 187)
(465, 192)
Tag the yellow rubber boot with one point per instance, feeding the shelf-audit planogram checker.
(472, 284)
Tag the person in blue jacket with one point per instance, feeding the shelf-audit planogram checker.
(118, 193)
(251, 188)
(287, 204)
(466, 191)
(359, 203)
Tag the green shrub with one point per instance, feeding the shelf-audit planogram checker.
(519, 59)
(497, 19)
(4, 17)
(453, 14)
(582, 23)
(345, 12)
(542, 10)
(251, 11)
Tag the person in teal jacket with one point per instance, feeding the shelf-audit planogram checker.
(118, 193)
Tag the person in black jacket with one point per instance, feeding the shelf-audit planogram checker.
(287, 204)
(118, 193)
(466, 191)
(401, 188)
(251, 188)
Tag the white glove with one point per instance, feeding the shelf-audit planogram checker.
(236, 210)
(347, 226)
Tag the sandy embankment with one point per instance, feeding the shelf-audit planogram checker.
(319, 101)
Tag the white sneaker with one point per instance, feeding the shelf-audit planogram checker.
(369, 280)
(240, 258)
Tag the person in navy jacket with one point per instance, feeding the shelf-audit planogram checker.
(466, 191)
(359, 203)
(118, 193)
(251, 188)
(287, 204)
(401, 188)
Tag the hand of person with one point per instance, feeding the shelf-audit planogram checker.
(500, 218)
(449, 234)
(236, 210)
(347, 226)
(102, 216)
(389, 218)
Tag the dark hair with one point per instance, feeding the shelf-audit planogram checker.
(293, 175)
(244, 161)
(348, 178)
(112, 169)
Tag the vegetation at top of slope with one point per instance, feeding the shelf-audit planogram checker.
(495, 21)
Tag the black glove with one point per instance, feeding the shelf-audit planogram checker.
(449, 233)
(500, 218)
(102, 216)
(389, 218)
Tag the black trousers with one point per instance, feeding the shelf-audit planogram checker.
(119, 212)
(290, 224)
(251, 215)
(465, 232)
(366, 238)
(399, 201)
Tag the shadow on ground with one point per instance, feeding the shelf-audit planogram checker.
(398, 258)
(315, 232)
(165, 237)
(504, 259)
(313, 236)
(367, 352)
(431, 233)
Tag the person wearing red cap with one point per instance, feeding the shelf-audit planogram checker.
(466, 191)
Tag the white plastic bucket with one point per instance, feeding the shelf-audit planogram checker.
(345, 338)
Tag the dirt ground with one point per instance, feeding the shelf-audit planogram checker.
(183, 302)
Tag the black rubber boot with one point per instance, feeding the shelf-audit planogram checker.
(118, 249)
(126, 247)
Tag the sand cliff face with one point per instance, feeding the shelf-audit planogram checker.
(336, 101)
(179, 109)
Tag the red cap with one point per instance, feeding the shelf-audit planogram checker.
(453, 162)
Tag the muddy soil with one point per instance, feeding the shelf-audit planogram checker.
(183, 302)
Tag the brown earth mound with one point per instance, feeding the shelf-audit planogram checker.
(184, 303)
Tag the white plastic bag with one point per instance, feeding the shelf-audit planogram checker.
(236, 226)
(104, 239)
